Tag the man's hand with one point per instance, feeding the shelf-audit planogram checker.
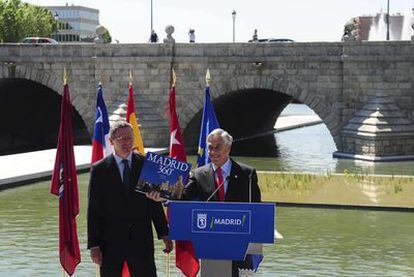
(155, 196)
(96, 255)
(168, 244)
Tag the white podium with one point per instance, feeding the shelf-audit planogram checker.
(223, 268)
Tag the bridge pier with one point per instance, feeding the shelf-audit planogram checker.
(378, 132)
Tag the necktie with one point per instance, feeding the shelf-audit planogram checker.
(126, 174)
(219, 183)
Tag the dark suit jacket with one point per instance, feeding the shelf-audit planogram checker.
(201, 184)
(119, 220)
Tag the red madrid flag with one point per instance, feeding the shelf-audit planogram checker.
(185, 258)
(65, 185)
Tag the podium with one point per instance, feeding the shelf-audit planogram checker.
(222, 231)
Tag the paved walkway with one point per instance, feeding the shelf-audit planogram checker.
(285, 123)
(20, 168)
(25, 167)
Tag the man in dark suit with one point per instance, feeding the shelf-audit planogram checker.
(222, 180)
(119, 219)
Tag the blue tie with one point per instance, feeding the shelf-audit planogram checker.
(126, 175)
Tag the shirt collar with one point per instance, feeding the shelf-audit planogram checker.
(226, 167)
(119, 160)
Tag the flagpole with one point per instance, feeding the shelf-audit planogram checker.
(167, 270)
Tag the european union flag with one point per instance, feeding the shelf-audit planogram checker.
(208, 123)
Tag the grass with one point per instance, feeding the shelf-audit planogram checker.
(343, 189)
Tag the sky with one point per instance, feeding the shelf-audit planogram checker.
(129, 21)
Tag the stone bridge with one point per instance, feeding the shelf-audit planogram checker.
(363, 91)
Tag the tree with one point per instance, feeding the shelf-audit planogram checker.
(19, 20)
(107, 36)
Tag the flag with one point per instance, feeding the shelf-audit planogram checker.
(131, 117)
(257, 259)
(185, 258)
(65, 185)
(208, 123)
(100, 145)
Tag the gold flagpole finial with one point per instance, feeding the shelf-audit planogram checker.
(130, 77)
(208, 78)
(65, 76)
(174, 77)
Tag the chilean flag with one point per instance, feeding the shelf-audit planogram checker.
(100, 146)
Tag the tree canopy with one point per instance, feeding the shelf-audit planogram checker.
(19, 20)
(107, 36)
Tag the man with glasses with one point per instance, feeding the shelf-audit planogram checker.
(119, 219)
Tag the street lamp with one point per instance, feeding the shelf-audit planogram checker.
(233, 14)
(56, 17)
(388, 19)
(152, 27)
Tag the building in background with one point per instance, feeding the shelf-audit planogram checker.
(370, 27)
(76, 23)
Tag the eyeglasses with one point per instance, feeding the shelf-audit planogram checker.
(123, 138)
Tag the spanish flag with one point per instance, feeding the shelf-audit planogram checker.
(131, 117)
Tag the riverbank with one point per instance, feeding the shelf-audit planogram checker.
(338, 190)
(25, 168)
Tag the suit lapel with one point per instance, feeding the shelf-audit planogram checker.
(136, 167)
(113, 167)
(233, 179)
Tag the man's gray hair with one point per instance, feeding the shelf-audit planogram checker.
(119, 124)
(228, 139)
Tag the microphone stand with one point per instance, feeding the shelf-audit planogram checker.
(250, 187)
(214, 192)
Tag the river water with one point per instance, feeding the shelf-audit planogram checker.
(310, 149)
(317, 242)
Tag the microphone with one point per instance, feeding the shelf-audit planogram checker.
(217, 189)
(250, 185)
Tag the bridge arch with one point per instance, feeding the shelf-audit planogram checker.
(47, 78)
(260, 90)
(30, 108)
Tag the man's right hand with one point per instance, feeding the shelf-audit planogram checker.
(155, 196)
(96, 255)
